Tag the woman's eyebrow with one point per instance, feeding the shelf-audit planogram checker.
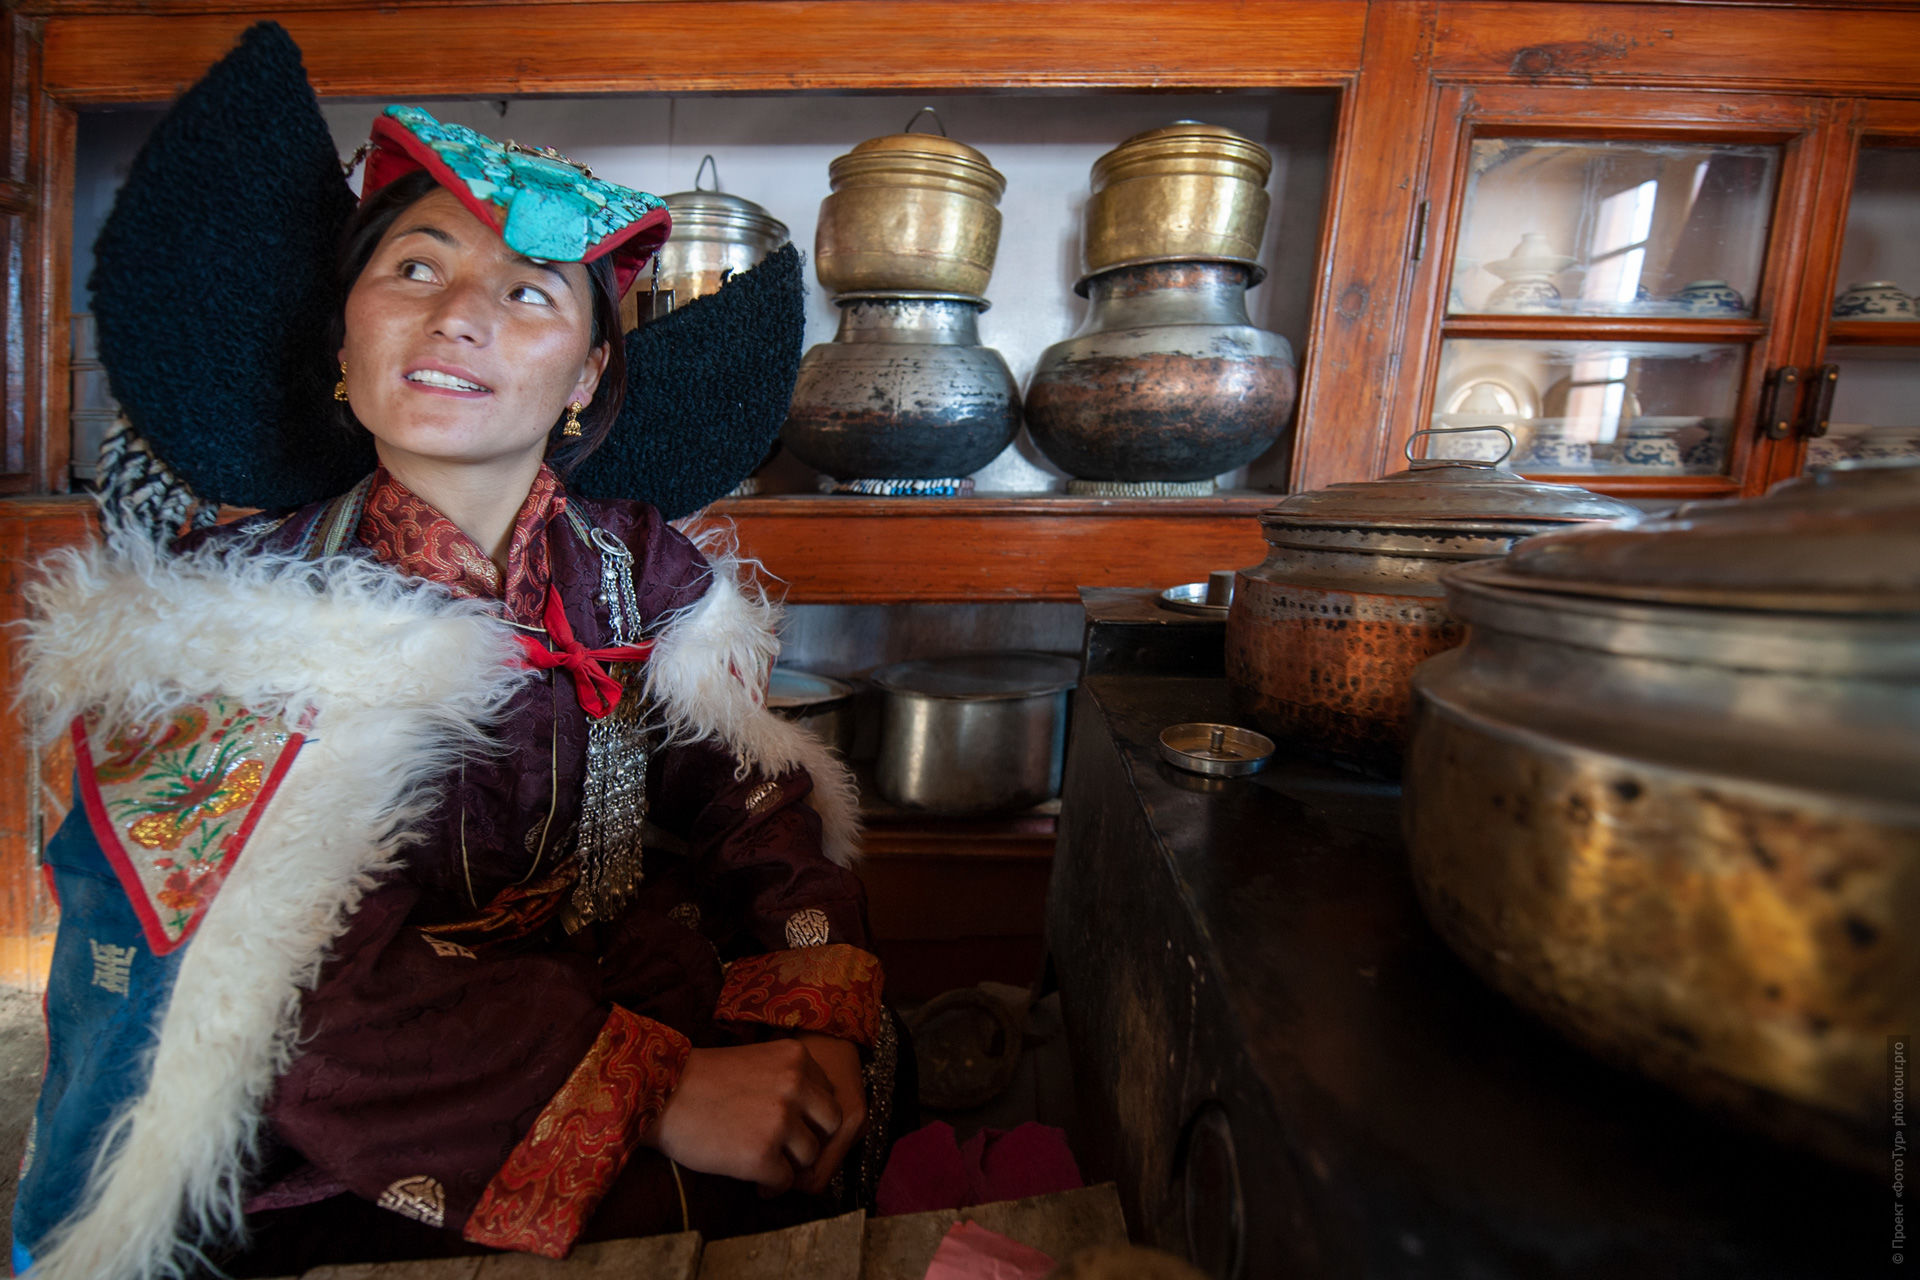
(427, 229)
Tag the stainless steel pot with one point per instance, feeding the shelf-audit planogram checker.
(1667, 795)
(974, 734)
(1323, 636)
(820, 703)
(714, 236)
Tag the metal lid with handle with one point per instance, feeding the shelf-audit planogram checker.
(1448, 493)
(1840, 540)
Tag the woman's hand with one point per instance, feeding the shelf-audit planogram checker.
(757, 1112)
(840, 1061)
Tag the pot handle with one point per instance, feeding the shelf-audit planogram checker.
(1418, 463)
(938, 123)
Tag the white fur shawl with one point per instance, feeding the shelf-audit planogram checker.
(402, 682)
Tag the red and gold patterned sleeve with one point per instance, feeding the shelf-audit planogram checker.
(833, 989)
(555, 1178)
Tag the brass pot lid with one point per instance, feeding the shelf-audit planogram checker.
(1838, 540)
(981, 677)
(1188, 147)
(905, 159)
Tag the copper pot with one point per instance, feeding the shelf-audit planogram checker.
(1323, 636)
(1665, 796)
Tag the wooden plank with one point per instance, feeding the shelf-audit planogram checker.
(1058, 1225)
(432, 1269)
(1863, 50)
(1347, 375)
(897, 550)
(826, 1250)
(683, 46)
(670, 1257)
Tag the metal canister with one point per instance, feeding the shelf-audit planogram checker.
(714, 235)
(974, 734)
(909, 211)
(1323, 636)
(1184, 192)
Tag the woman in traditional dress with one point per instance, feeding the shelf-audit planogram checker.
(438, 880)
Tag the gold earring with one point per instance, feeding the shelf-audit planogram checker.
(340, 387)
(573, 420)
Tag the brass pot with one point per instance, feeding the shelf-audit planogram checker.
(1184, 192)
(1323, 636)
(1665, 796)
(909, 212)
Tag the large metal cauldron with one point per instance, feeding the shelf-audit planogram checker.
(1667, 795)
(1324, 635)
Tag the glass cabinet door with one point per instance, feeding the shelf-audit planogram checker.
(1601, 304)
(1615, 277)
(1873, 335)
(1552, 227)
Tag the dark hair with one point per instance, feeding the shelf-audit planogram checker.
(362, 236)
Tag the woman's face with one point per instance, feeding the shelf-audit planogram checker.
(459, 350)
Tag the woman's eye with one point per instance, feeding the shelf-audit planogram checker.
(528, 293)
(413, 269)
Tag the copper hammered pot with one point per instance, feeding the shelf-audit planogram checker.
(1324, 635)
(1667, 796)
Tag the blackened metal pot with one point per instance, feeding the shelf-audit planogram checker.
(904, 391)
(1166, 380)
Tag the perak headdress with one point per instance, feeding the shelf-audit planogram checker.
(213, 295)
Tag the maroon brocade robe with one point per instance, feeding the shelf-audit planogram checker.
(465, 1061)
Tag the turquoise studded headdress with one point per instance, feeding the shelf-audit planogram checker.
(543, 205)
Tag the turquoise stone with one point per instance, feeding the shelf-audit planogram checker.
(550, 208)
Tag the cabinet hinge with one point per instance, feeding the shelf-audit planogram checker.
(1420, 229)
(1820, 402)
(1776, 407)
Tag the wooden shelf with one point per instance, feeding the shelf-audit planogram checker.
(1874, 333)
(816, 548)
(1546, 328)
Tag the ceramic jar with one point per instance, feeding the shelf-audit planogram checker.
(1710, 298)
(1167, 379)
(1874, 300)
(1527, 275)
(904, 391)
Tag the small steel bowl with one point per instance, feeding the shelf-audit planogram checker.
(1217, 750)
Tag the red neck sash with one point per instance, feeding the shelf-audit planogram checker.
(599, 691)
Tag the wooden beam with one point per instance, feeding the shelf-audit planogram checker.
(150, 53)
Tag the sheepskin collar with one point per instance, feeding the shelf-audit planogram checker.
(399, 682)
